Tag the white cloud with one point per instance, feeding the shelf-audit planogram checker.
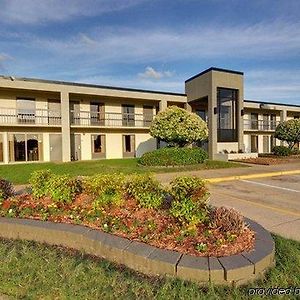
(273, 85)
(102, 50)
(41, 11)
(151, 73)
(114, 44)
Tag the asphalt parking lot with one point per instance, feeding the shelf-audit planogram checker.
(273, 201)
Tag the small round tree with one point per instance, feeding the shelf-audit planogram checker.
(178, 127)
(289, 131)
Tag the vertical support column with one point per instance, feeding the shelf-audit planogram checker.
(283, 117)
(65, 126)
(188, 107)
(240, 119)
(212, 123)
(163, 104)
(5, 148)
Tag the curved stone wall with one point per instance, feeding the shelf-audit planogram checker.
(232, 270)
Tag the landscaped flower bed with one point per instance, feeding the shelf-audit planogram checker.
(137, 207)
(271, 159)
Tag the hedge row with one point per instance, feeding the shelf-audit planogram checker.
(173, 156)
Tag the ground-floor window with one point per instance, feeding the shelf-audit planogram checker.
(25, 147)
(98, 145)
(128, 145)
(266, 144)
(254, 143)
(1, 148)
(272, 142)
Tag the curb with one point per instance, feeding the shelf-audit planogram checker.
(251, 176)
(231, 270)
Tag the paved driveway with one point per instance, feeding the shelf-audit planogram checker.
(274, 201)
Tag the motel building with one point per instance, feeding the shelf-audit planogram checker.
(43, 120)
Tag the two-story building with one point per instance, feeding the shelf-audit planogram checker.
(43, 120)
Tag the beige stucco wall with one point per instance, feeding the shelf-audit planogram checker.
(203, 86)
(87, 90)
(86, 146)
(144, 143)
(206, 85)
(46, 147)
(114, 147)
(227, 146)
(247, 142)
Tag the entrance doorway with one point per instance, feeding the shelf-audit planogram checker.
(55, 147)
(254, 143)
(75, 146)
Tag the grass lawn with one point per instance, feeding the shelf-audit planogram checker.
(20, 173)
(34, 271)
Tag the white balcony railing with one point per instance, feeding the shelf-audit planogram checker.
(107, 119)
(261, 125)
(16, 116)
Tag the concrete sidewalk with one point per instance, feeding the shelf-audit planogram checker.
(217, 173)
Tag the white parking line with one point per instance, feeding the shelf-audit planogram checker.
(272, 186)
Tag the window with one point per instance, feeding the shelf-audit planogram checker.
(227, 114)
(254, 143)
(266, 122)
(272, 142)
(147, 115)
(26, 110)
(75, 112)
(1, 147)
(25, 147)
(254, 121)
(202, 114)
(273, 122)
(98, 146)
(266, 144)
(97, 114)
(128, 115)
(128, 145)
(54, 108)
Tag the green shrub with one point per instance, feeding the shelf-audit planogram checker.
(178, 127)
(105, 189)
(63, 188)
(39, 182)
(189, 187)
(145, 189)
(288, 131)
(189, 203)
(187, 211)
(6, 189)
(282, 151)
(110, 196)
(173, 156)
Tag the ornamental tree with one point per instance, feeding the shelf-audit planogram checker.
(178, 127)
(289, 131)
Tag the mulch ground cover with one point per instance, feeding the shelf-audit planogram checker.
(154, 227)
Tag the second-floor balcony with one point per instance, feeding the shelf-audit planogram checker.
(260, 125)
(16, 116)
(110, 119)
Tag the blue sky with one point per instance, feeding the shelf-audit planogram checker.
(154, 44)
